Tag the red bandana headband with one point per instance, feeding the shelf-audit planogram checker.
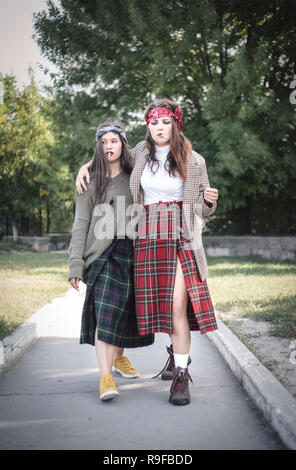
(157, 113)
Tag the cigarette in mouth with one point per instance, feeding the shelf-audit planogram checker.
(109, 154)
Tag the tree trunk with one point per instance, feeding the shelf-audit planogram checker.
(14, 228)
(245, 219)
(24, 225)
(40, 219)
(47, 218)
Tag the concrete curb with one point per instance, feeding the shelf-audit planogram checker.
(275, 402)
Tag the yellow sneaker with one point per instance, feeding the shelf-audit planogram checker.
(108, 387)
(122, 366)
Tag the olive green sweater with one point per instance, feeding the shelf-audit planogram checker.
(95, 226)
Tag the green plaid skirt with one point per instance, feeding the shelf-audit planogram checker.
(109, 300)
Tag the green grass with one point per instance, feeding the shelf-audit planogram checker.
(255, 288)
(29, 281)
(239, 286)
(10, 245)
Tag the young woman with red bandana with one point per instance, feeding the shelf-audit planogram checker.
(171, 194)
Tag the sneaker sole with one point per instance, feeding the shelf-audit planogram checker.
(127, 376)
(109, 395)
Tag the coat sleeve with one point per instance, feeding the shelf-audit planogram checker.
(134, 152)
(208, 208)
(82, 220)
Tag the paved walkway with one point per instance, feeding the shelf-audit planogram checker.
(49, 399)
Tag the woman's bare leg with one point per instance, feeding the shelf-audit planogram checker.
(117, 351)
(105, 355)
(181, 332)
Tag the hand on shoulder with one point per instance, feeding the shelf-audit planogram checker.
(82, 178)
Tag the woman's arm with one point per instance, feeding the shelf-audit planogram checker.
(132, 157)
(138, 149)
(83, 214)
(84, 170)
(83, 173)
(209, 195)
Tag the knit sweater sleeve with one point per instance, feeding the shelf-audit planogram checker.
(82, 220)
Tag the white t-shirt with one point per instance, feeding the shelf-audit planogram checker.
(160, 186)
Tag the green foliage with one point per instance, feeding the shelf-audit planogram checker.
(33, 181)
(229, 63)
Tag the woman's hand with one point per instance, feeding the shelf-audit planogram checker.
(83, 173)
(211, 195)
(74, 281)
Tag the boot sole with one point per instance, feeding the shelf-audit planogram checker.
(180, 402)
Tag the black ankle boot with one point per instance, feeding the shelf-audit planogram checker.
(179, 393)
(168, 371)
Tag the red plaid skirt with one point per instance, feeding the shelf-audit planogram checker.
(155, 261)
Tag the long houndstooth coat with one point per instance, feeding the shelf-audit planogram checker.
(194, 205)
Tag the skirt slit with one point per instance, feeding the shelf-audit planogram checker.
(155, 263)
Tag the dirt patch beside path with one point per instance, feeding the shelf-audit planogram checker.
(276, 353)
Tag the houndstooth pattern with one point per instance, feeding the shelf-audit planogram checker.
(194, 206)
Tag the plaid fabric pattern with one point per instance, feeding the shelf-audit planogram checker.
(155, 261)
(193, 200)
(109, 300)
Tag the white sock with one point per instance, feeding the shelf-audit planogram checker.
(181, 360)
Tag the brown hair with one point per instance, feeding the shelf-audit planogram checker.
(100, 167)
(180, 146)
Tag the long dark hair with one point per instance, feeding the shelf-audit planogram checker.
(100, 169)
(180, 146)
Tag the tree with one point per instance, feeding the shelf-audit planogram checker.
(31, 176)
(22, 135)
(228, 62)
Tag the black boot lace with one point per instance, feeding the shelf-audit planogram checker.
(170, 363)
